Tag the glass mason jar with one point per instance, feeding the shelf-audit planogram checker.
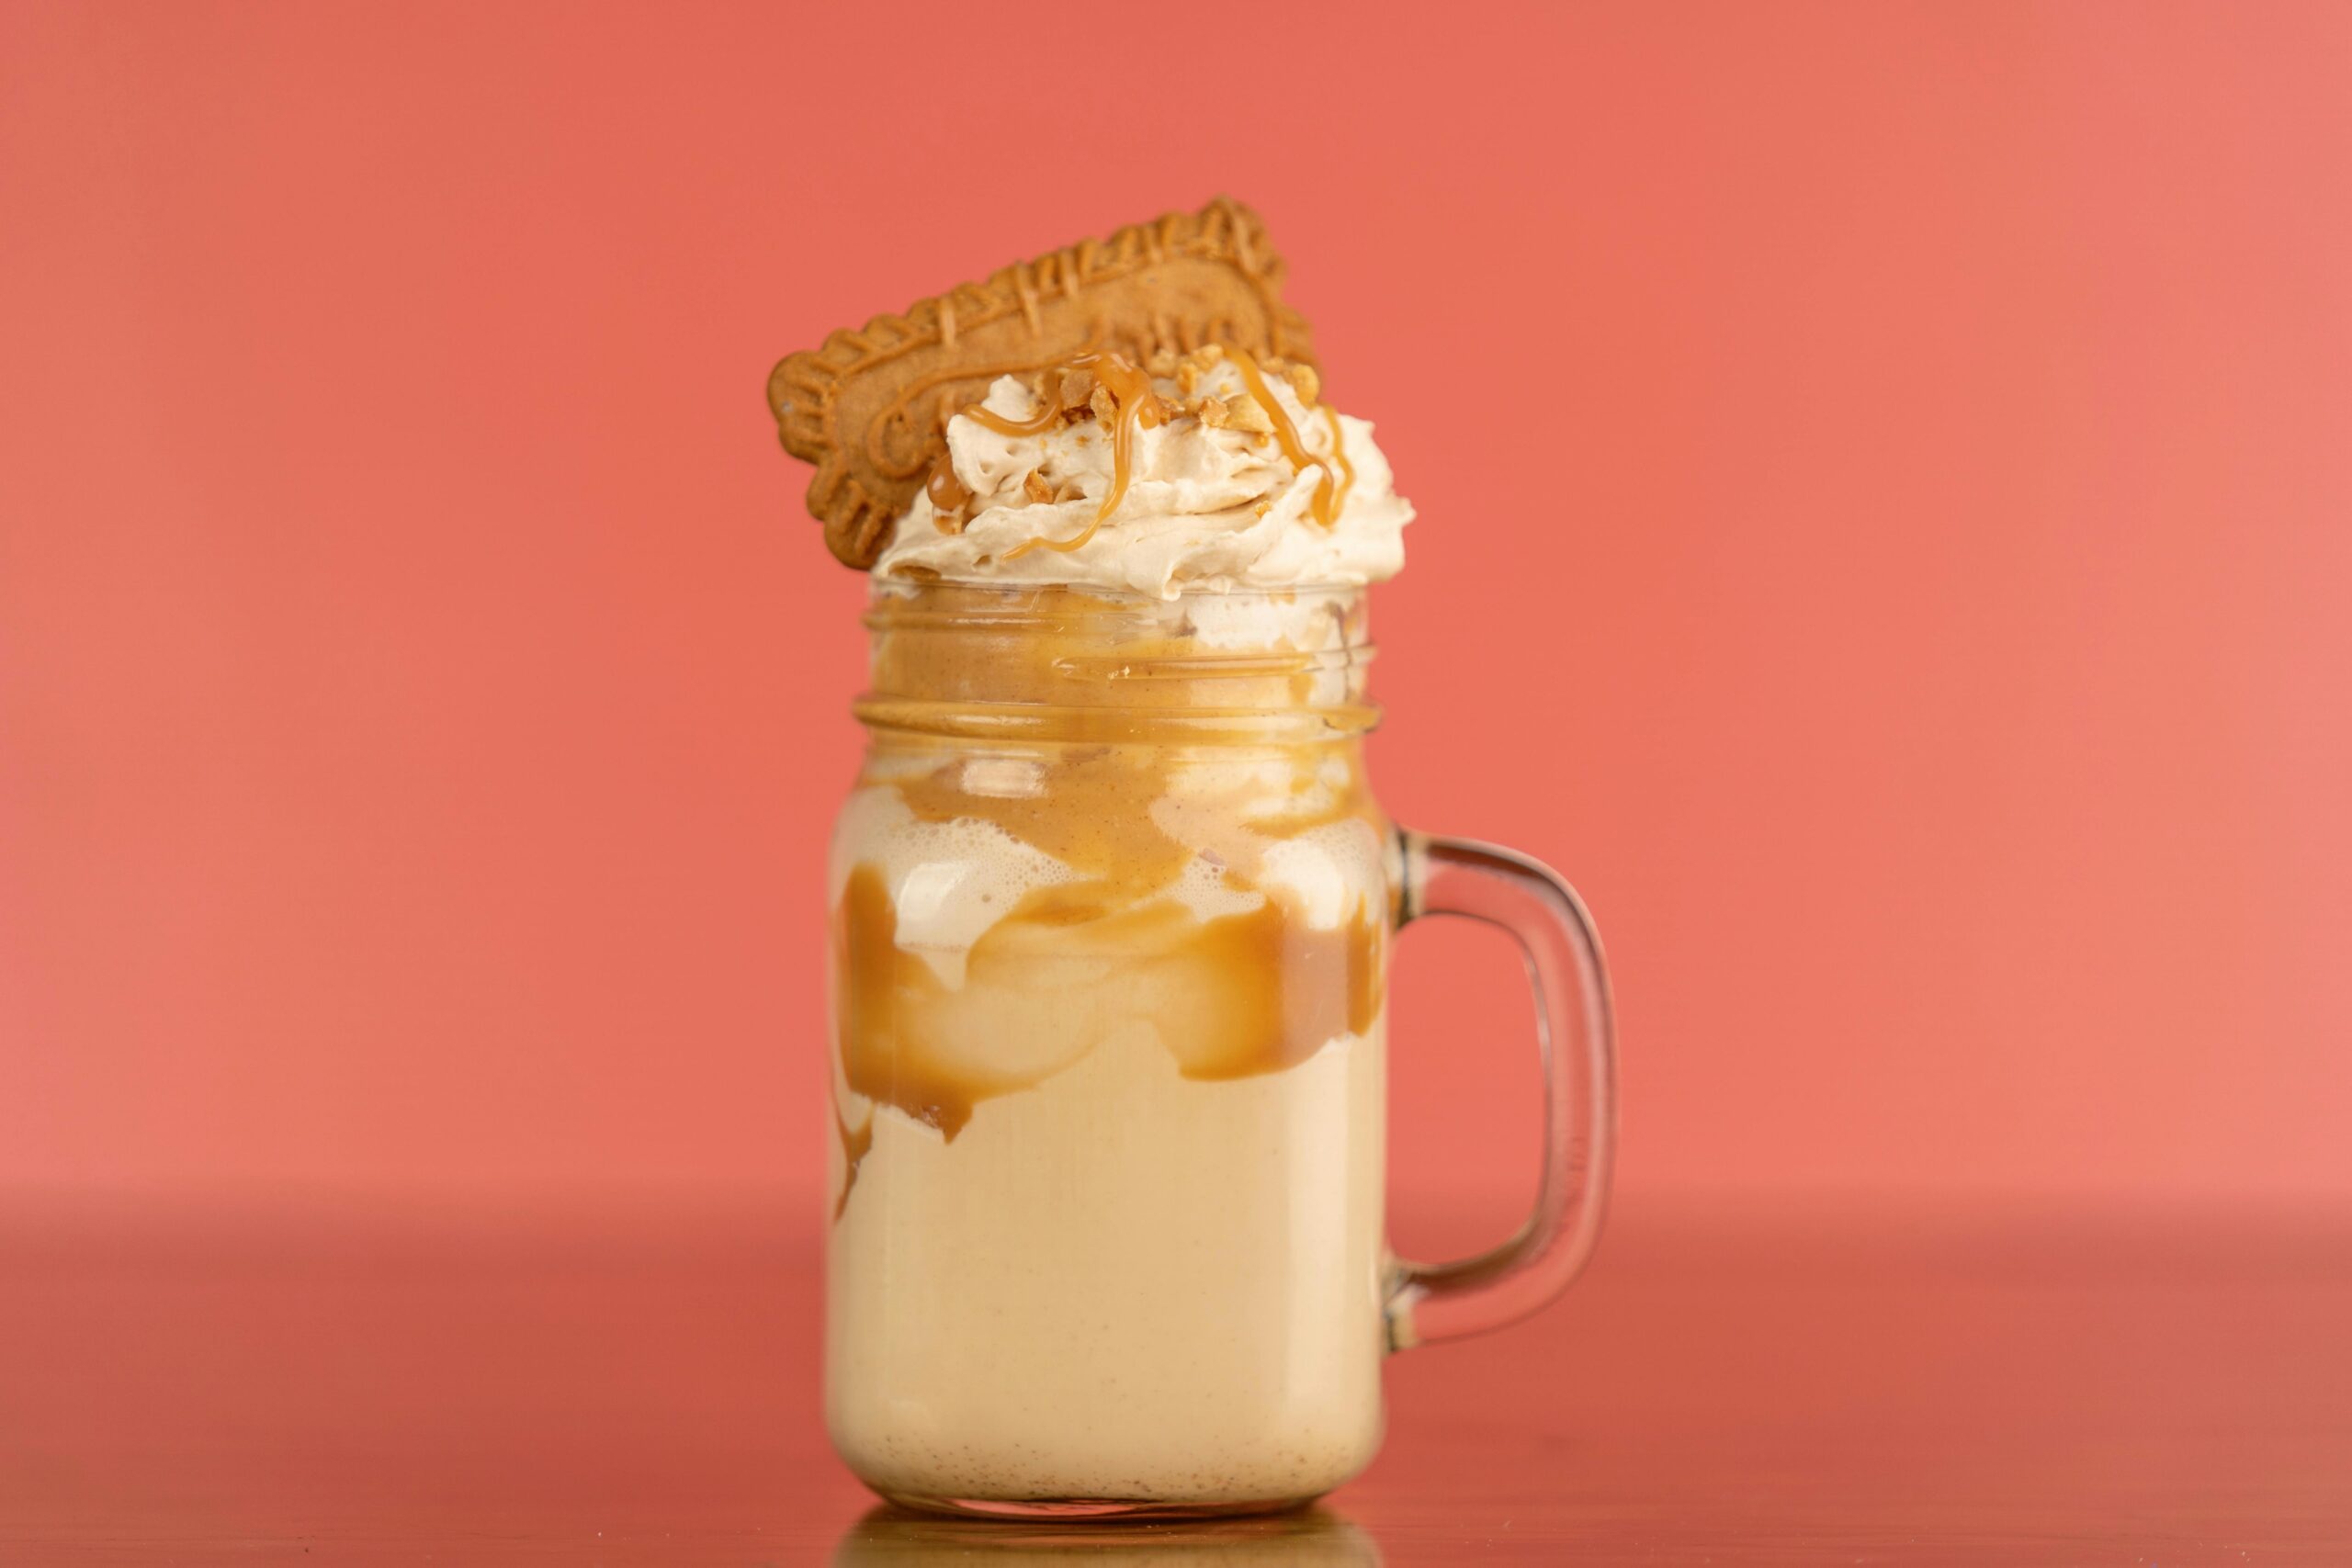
(1112, 916)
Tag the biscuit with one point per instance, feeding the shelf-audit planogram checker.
(870, 407)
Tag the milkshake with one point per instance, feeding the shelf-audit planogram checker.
(1110, 918)
(1110, 905)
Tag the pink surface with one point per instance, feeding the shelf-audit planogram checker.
(205, 1385)
(1884, 497)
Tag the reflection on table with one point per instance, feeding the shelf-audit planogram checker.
(616, 1387)
(1315, 1538)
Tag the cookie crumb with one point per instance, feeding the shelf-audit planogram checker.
(1248, 413)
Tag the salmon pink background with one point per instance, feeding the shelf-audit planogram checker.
(1886, 533)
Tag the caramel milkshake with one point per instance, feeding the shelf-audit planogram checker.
(1111, 909)
(1112, 906)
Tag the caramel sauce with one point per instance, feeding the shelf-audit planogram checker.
(1229, 996)
(897, 441)
(1139, 408)
(1260, 992)
(855, 1144)
(1340, 455)
(888, 1002)
(1092, 811)
(1047, 417)
(1323, 507)
(1128, 808)
(1101, 798)
(947, 493)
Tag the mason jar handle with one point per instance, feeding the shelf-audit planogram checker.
(1428, 1302)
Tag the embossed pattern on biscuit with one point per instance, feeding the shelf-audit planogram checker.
(869, 406)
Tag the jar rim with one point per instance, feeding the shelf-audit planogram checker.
(889, 597)
(1001, 660)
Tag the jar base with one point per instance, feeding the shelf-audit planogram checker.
(1082, 1509)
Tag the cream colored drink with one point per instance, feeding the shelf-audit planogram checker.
(1111, 906)
(1109, 1064)
(1109, 1073)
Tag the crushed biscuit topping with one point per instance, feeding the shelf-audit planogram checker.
(1121, 397)
(1248, 413)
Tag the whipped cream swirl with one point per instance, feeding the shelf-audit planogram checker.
(1211, 504)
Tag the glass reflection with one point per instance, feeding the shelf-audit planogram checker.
(1313, 1538)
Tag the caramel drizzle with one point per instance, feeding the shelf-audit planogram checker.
(1324, 507)
(1229, 996)
(894, 424)
(856, 1144)
(1139, 408)
(1340, 455)
(947, 493)
(1047, 417)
